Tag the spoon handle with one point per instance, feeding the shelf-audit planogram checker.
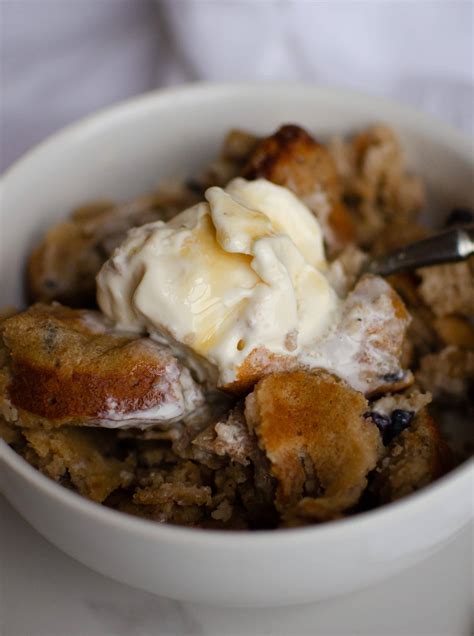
(453, 245)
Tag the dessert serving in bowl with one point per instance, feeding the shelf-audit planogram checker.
(210, 354)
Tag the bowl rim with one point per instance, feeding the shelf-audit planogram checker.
(196, 89)
(234, 538)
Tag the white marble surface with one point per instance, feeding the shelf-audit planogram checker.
(45, 593)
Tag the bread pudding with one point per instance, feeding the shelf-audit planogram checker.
(212, 355)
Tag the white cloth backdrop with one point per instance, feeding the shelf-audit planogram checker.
(62, 59)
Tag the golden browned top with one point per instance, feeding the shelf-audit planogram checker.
(293, 159)
(258, 363)
(313, 430)
(66, 363)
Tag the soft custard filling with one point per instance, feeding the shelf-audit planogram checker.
(242, 271)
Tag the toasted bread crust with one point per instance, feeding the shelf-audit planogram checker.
(313, 423)
(259, 363)
(291, 157)
(68, 364)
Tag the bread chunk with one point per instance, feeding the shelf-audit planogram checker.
(378, 189)
(321, 447)
(65, 366)
(415, 458)
(365, 347)
(449, 289)
(80, 458)
(292, 158)
(448, 374)
(63, 266)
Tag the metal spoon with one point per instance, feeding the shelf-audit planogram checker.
(453, 245)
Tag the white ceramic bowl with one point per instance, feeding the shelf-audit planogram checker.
(122, 152)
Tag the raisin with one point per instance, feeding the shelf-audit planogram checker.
(352, 200)
(382, 422)
(50, 284)
(392, 426)
(390, 378)
(194, 186)
(400, 421)
(460, 216)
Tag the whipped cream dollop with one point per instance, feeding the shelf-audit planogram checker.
(241, 271)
